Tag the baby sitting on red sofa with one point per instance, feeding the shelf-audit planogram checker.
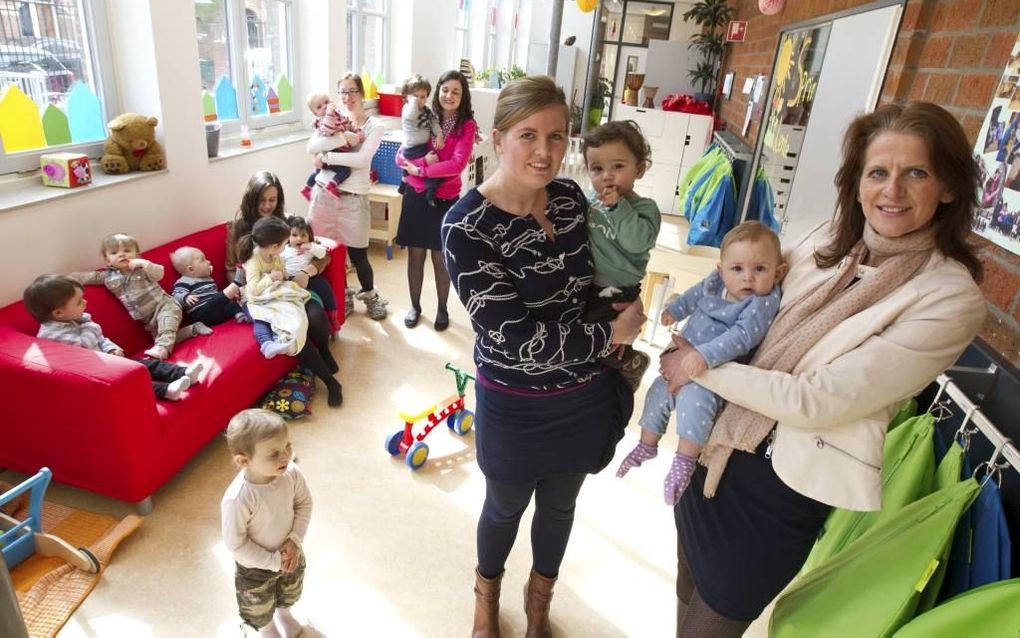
(58, 304)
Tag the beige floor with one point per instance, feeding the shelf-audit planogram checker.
(390, 552)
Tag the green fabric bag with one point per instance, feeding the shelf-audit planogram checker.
(908, 411)
(946, 475)
(908, 468)
(872, 587)
(992, 610)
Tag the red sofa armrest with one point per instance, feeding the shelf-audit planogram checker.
(336, 274)
(90, 417)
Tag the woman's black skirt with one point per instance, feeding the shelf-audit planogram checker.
(747, 542)
(521, 437)
(419, 222)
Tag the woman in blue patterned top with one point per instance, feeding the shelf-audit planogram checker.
(547, 414)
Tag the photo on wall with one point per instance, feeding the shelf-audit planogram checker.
(997, 152)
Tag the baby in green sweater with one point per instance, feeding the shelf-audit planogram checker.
(622, 228)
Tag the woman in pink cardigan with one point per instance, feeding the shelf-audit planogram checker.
(419, 219)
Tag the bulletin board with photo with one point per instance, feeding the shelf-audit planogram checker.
(998, 155)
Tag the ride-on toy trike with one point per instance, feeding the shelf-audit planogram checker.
(457, 417)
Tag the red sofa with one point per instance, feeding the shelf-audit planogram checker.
(92, 418)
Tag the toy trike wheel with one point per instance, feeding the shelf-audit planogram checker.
(417, 455)
(393, 442)
(463, 421)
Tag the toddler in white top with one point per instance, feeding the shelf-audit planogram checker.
(265, 514)
(301, 249)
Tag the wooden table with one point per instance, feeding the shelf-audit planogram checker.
(387, 195)
(673, 265)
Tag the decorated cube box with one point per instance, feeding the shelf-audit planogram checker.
(65, 170)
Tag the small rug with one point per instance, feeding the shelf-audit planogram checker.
(48, 589)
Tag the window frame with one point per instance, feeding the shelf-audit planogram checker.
(237, 44)
(462, 31)
(95, 19)
(355, 35)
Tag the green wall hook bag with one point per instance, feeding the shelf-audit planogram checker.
(908, 468)
(992, 610)
(872, 587)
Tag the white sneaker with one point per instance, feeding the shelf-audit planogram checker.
(375, 305)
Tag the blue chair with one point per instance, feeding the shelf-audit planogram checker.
(21, 539)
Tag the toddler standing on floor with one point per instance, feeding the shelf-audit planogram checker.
(272, 301)
(58, 304)
(264, 515)
(419, 125)
(135, 282)
(331, 123)
(196, 291)
(622, 229)
(730, 311)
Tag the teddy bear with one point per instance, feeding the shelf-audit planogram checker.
(132, 145)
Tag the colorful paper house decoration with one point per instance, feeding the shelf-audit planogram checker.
(65, 170)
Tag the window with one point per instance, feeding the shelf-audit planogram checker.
(249, 44)
(367, 36)
(57, 84)
(490, 42)
(625, 29)
(462, 38)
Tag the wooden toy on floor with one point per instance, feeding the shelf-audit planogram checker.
(21, 539)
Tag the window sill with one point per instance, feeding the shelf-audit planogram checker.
(231, 147)
(26, 189)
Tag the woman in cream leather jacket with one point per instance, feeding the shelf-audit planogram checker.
(878, 303)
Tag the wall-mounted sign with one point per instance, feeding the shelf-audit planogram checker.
(736, 31)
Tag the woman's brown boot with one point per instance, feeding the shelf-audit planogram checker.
(486, 606)
(538, 592)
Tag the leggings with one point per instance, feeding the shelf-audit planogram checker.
(416, 275)
(693, 615)
(504, 505)
(359, 257)
(321, 287)
(315, 355)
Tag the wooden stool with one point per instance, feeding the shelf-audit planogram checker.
(387, 195)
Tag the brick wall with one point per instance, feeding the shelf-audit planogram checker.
(951, 52)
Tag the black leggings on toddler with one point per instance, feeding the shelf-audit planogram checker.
(162, 373)
(340, 173)
(431, 183)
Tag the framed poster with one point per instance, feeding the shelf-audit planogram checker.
(997, 152)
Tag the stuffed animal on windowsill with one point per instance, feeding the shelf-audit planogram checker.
(132, 145)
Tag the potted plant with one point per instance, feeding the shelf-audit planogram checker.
(712, 16)
(482, 78)
(601, 92)
(514, 73)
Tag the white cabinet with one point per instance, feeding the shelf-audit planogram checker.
(677, 141)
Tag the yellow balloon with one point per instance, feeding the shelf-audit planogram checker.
(586, 5)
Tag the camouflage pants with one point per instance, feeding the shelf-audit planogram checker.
(261, 591)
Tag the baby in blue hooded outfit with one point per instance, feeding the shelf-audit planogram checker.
(730, 311)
